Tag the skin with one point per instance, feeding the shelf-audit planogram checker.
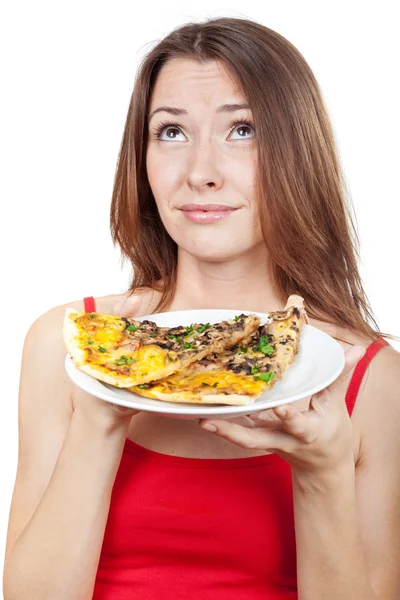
(346, 482)
(205, 162)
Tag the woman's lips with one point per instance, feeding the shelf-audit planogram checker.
(206, 213)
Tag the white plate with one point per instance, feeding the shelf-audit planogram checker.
(319, 362)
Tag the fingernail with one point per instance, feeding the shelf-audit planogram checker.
(209, 427)
(281, 412)
(264, 416)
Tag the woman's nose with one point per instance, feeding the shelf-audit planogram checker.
(203, 167)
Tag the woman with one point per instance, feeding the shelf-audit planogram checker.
(228, 194)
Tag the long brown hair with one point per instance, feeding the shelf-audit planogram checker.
(303, 201)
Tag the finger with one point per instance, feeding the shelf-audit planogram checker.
(251, 423)
(266, 418)
(322, 399)
(124, 411)
(297, 424)
(352, 356)
(127, 307)
(265, 415)
(256, 438)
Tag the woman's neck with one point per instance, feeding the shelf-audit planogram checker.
(244, 283)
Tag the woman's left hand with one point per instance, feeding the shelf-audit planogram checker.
(312, 440)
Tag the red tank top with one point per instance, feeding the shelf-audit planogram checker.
(200, 528)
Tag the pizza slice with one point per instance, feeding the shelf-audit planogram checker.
(238, 375)
(127, 352)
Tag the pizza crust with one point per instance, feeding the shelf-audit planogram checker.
(70, 332)
(232, 399)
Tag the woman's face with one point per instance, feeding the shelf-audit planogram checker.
(201, 168)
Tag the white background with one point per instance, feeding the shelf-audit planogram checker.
(67, 75)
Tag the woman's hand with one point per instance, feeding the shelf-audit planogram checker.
(313, 440)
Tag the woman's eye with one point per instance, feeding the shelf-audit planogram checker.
(167, 132)
(242, 127)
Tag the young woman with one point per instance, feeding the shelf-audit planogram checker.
(228, 194)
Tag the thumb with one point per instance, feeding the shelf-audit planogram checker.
(351, 355)
(128, 306)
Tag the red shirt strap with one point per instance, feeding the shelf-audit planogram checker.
(90, 304)
(359, 372)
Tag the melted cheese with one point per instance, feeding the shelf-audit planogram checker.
(205, 382)
(283, 324)
(149, 358)
(106, 333)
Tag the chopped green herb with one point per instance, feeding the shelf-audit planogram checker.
(123, 360)
(90, 342)
(203, 327)
(177, 338)
(237, 317)
(187, 346)
(204, 383)
(154, 335)
(101, 349)
(265, 346)
(132, 328)
(242, 349)
(144, 386)
(266, 377)
(267, 350)
(215, 384)
(255, 369)
(92, 315)
(170, 358)
(189, 329)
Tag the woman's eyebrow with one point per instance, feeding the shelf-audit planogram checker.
(181, 111)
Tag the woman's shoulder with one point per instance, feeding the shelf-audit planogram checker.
(345, 336)
(384, 364)
(107, 304)
(147, 299)
(380, 389)
(376, 414)
(47, 327)
(380, 375)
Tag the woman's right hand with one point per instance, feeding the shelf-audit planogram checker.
(106, 413)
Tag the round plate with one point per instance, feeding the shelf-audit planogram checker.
(319, 362)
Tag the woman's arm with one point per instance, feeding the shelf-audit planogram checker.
(331, 563)
(66, 469)
(348, 522)
(346, 517)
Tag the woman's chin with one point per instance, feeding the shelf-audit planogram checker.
(216, 254)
